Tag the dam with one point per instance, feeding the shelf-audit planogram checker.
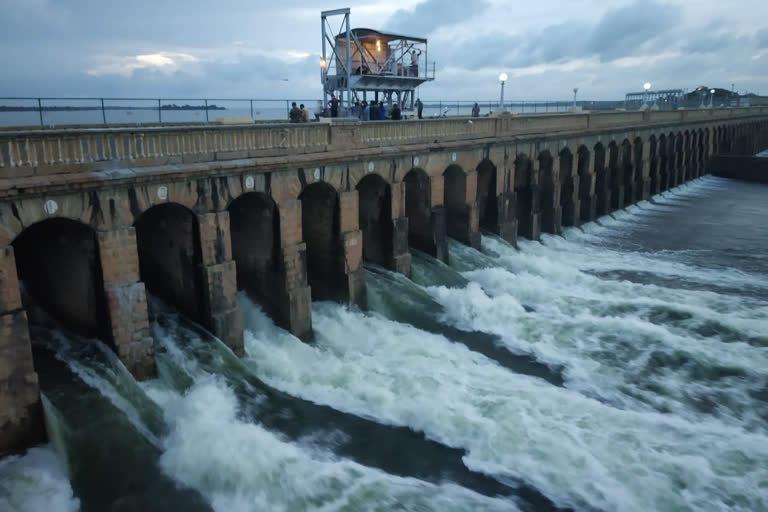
(95, 220)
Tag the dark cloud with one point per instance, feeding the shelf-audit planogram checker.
(627, 30)
(621, 32)
(427, 16)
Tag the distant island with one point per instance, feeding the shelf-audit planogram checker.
(54, 108)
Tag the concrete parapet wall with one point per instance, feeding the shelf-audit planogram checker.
(48, 152)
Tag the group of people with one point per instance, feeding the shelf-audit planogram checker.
(298, 114)
(376, 111)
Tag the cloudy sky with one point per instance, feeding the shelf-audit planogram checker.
(257, 49)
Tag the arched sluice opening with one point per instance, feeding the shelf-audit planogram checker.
(567, 189)
(703, 138)
(602, 189)
(586, 201)
(525, 206)
(615, 177)
(58, 262)
(487, 203)
(375, 220)
(418, 209)
(457, 212)
(550, 199)
(627, 171)
(254, 224)
(320, 226)
(653, 168)
(170, 259)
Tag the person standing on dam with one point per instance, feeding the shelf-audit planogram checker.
(295, 114)
(334, 106)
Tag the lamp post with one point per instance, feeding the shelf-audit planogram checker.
(575, 90)
(646, 87)
(502, 79)
(711, 98)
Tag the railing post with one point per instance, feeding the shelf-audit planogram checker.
(440, 113)
(40, 111)
(103, 113)
(159, 112)
(206, 111)
(251, 108)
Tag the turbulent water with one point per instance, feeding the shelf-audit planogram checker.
(622, 366)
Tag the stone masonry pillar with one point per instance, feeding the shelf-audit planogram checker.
(401, 256)
(295, 309)
(438, 218)
(352, 247)
(126, 301)
(21, 412)
(219, 281)
(506, 204)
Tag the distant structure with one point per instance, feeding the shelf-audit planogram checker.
(664, 99)
(362, 64)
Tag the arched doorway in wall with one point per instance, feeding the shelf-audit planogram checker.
(320, 226)
(254, 224)
(168, 240)
(59, 264)
(487, 204)
(375, 220)
(586, 200)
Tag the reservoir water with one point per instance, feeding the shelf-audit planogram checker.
(621, 366)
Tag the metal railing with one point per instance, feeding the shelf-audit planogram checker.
(44, 112)
(53, 112)
(443, 108)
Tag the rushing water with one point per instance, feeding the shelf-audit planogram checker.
(622, 366)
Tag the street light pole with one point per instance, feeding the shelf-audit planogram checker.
(575, 90)
(711, 98)
(502, 78)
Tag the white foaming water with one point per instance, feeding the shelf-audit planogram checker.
(240, 466)
(634, 345)
(576, 450)
(36, 482)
